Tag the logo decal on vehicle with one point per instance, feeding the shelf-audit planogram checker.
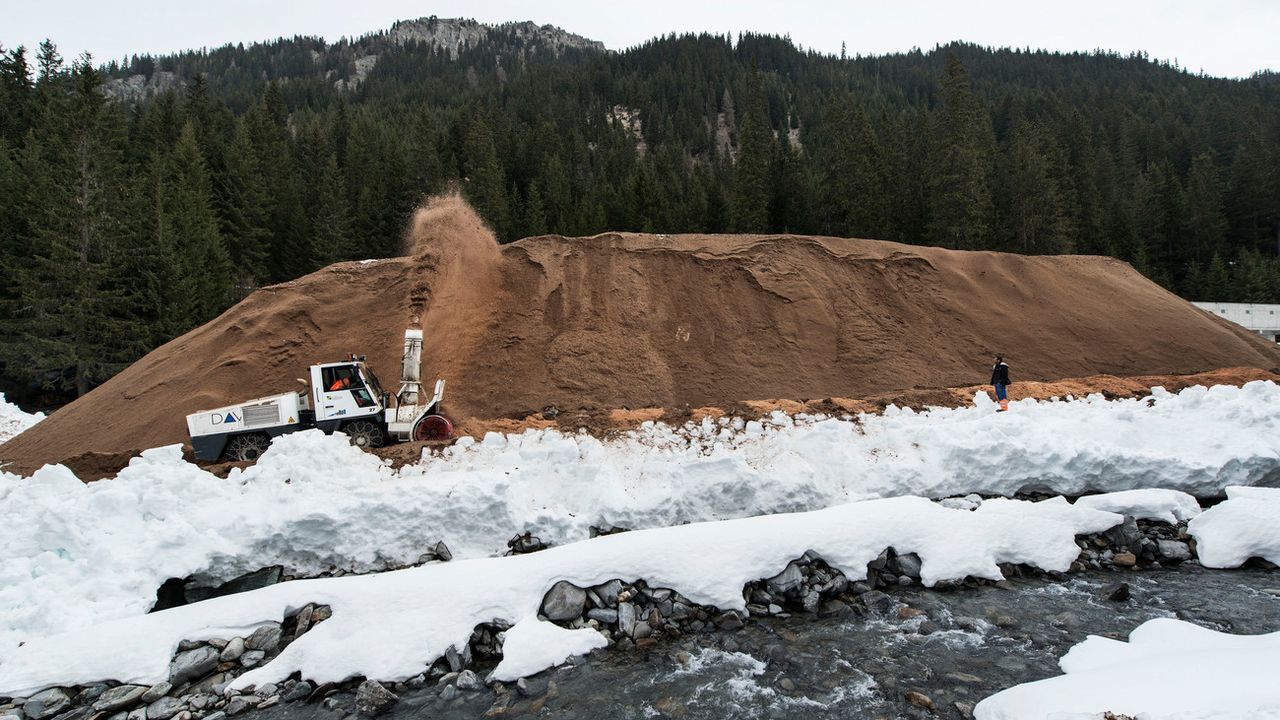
(218, 419)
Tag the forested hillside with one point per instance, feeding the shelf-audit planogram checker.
(141, 198)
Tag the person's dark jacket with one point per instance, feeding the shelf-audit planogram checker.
(1000, 375)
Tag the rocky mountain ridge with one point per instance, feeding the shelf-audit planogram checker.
(346, 63)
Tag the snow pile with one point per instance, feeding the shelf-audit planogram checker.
(391, 625)
(534, 645)
(13, 420)
(1170, 506)
(1246, 525)
(1168, 669)
(77, 555)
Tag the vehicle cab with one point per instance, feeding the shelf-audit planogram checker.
(343, 391)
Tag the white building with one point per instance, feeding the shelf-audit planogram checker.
(1262, 319)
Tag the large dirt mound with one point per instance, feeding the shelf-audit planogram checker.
(629, 320)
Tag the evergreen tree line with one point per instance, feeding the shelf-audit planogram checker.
(124, 225)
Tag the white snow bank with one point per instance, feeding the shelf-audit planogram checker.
(392, 625)
(1171, 506)
(13, 420)
(1246, 525)
(76, 555)
(534, 645)
(1168, 669)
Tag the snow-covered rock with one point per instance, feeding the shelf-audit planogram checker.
(1246, 525)
(1168, 669)
(1170, 506)
(407, 619)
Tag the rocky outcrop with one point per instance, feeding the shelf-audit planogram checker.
(140, 87)
(457, 35)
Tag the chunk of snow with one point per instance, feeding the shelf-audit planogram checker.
(1168, 669)
(1246, 525)
(533, 645)
(390, 625)
(13, 420)
(1170, 506)
(79, 554)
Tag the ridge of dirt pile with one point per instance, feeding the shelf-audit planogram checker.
(633, 321)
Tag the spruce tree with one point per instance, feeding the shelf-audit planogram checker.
(331, 224)
(751, 194)
(188, 215)
(960, 192)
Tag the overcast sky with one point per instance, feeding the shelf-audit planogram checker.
(1231, 39)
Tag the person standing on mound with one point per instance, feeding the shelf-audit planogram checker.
(1000, 380)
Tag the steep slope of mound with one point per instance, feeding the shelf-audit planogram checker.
(627, 320)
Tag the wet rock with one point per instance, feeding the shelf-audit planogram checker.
(878, 602)
(233, 650)
(216, 716)
(448, 693)
(241, 703)
(265, 638)
(267, 690)
(455, 661)
(1173, 550)
(604, 616)
(962, 677)
(531, 687)
(626, 618)
(252, 658)
(468, 680)
(642, 630)
(964, 708)
(919, 699)
(729, 621)
(829, 608)
(90, 693)
(608, 592)
(564, 601)
(212, 684)
(164, 708)
(787, 684)
(46, 703)
(1124, 559)
(373, 699)
(908, 565)
(155, 692)
(1125, 535)
(789, 579)
(1116, 592)
(122, 697)
(299, 691)
(192, 665)
(139, 714)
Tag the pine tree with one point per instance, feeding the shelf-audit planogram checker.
(751, 195)
(1217, 283)
(1205, 226)
(189, 220)
(1032, 199)
(74, 326)
(331, 225)
(960, 190)
(485, 184)
(241, 201)
(853, 200)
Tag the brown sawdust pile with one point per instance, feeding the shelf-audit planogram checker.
(624, 321)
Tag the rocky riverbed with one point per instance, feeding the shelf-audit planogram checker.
(917, 654)
(810, 641)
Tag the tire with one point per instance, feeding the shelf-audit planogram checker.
(432, 427)
(247, 448)
(365, 434)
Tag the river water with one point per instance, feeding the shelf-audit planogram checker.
(955, 647)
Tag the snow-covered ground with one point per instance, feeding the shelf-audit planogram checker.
(80, 564)
(404, 620)
(75, 555)
(13, 420)
(1169, 669)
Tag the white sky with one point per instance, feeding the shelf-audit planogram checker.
(1229, 38)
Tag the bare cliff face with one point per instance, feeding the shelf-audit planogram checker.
(456, 35)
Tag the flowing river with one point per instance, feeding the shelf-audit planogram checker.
(945, 649)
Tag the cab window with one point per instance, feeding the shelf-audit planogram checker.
(340, 377)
